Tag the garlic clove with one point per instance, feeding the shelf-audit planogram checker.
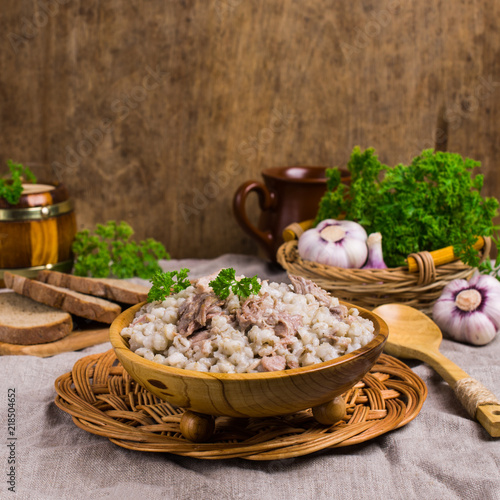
(375, 254)
(356, 254)
(337, 259)
(454, 287)
(490, 289)
(444, 315)
(479, 329)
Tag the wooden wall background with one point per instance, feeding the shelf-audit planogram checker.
(137, 106)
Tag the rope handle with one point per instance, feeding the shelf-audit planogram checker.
(425, 266)
(480, 403)
(447, 255)
(473, 394)
(425, 262)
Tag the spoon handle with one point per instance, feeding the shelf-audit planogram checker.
(480, 403)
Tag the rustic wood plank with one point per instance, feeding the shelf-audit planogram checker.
(156, 112)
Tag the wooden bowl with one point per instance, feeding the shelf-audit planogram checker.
(250, 394)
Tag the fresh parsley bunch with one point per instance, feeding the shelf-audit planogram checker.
(109, 250)
(432, 203)
(12, 188)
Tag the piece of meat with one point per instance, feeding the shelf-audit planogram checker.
(273, 363)
(209, 308)
(253, 312)
(304, 286)
(198, 337)
(194, 313)
(285, 325)
(340, 311)
(186, 323)
(213, 311)
(202, 284)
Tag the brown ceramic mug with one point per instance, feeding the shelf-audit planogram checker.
(288, 194)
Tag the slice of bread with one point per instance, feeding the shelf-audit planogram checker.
(61, 298)
(26, 322)
(112, 289)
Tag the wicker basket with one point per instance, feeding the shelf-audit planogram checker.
(370, 288)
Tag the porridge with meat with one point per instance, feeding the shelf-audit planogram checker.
(283, 326)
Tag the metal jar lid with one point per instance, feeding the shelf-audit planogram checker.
(36, 213)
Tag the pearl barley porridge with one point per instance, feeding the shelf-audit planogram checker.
(283, 326)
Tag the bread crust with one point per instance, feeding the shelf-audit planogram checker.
(14, 333)
(85, 306)
(112, 289)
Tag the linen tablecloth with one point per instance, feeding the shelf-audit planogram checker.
(440, 455)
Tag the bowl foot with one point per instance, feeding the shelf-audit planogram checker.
(197, 427)
(330, 413)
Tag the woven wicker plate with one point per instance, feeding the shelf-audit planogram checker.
(103, 399)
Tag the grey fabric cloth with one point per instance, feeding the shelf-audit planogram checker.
(440, 455)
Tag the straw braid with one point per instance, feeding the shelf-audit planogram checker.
(473, 394)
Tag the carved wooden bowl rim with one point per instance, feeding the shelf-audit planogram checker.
(120, 344)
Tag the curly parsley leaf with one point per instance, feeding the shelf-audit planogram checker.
(226, 281)
(432, 203)
(490, 267)
(164, 284)
(111, 251)
(12, 188)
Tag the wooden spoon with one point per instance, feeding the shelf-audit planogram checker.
(414, 335)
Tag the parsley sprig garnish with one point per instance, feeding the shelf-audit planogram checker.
(226, 282)
(165, 284)
(171, 282)
(432, 203)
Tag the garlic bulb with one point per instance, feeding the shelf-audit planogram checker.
(375, 256)
(469, 311)
(339, 243)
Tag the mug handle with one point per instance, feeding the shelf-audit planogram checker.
(266, 202)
